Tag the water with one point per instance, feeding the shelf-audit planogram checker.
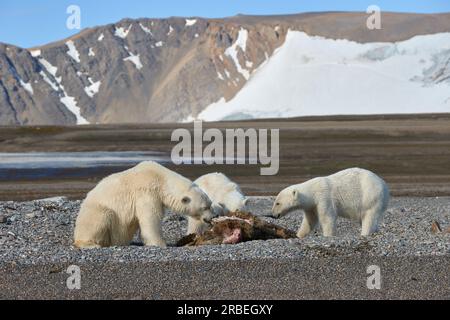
(51, 165)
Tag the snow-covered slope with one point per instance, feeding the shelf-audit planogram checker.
(311, 75)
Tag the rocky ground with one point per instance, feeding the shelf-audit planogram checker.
(35, 251)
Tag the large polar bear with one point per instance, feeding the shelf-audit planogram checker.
(136, 198)
(353, 193)
(225, 195)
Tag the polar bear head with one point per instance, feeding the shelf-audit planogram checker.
(224, 193)
(286, 201)
(195, 203)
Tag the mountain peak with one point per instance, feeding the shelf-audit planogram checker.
(163, 70)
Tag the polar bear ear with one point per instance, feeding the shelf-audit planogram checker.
(245, 202)
(186, 200)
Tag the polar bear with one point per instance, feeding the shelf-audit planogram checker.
(136, 198)
(353, 193)
(226, 196)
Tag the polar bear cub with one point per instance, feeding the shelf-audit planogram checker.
(226, 196)
(353, 193)
(136, 198)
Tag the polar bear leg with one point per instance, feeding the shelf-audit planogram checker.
(308, 224)
(150, 217)
(195, 226)
(92, 228)
(370, 221)
(327, 218)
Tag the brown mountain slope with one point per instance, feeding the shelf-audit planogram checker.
(161, 70)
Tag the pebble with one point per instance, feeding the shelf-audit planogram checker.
(48, 238)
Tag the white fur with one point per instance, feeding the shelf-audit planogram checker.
(225, 195)
(354, 193)
(136, 198)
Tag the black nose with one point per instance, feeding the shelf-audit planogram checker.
(207, 220)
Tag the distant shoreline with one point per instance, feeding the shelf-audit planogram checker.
(411, 152)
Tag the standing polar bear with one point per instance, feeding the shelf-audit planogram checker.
(353, 193)
(226, 196)
(136, 198)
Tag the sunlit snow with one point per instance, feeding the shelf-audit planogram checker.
(232, 52)
(26, 86)
(190, 22)
(73, 52)
(121, 32)
(93, 88)
(311, 75)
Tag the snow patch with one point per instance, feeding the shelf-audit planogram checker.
(73, 52)
(159, 44)
(219, 75)
(242, 39)
(44, 76)
(170, 30)
(93, 88)
(232, 52)
(35, 53)
(121, 32)
(134, 59)
(196, 35)
(190, 22)
(71, 104)
(145, 29)
(50, 68)
(91, 53)
(26, 86)
(100, 38)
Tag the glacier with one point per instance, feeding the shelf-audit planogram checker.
(312, 75)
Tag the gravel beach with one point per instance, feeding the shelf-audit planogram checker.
(35, 252)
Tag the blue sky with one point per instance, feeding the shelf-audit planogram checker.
(29, 23)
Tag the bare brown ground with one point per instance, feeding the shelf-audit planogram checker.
(411, 152)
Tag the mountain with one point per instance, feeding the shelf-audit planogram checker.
(178, 69)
